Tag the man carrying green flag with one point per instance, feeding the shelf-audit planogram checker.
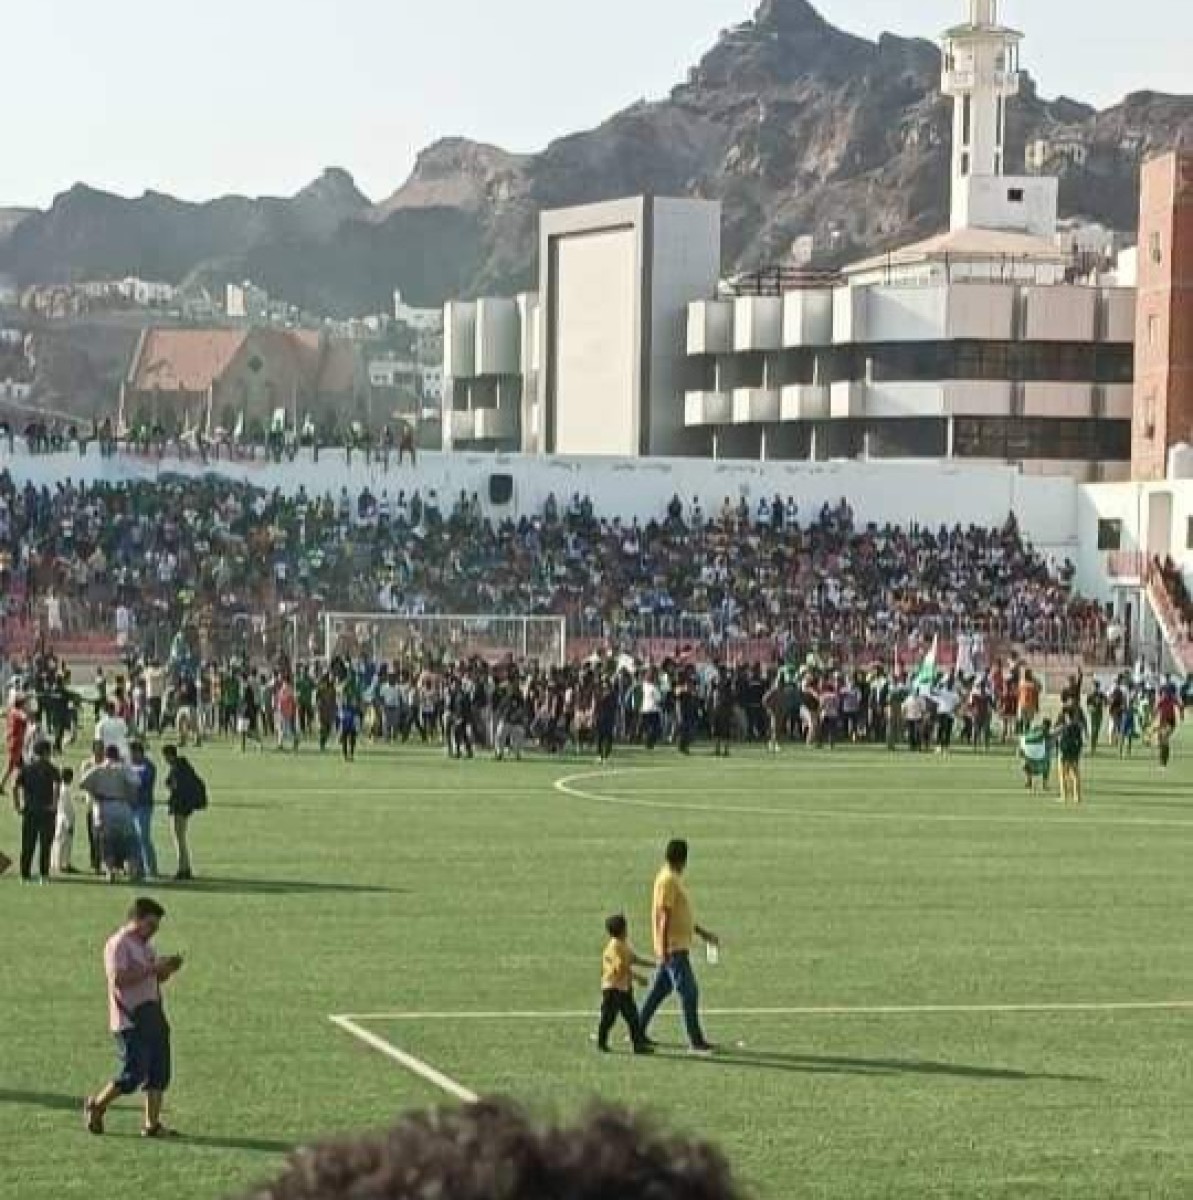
(926, 678)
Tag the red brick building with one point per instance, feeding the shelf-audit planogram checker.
(1163, 411)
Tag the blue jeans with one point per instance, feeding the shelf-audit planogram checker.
(143, 827)
(675, 974)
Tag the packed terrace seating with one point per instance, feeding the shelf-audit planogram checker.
(142, 556)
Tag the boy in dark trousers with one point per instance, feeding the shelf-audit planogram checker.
(617, 987)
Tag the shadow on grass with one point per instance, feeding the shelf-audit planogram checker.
(813, 1064)
(239, 887)
(58, 1102)
(50, 1100)
(277, 887)
(204, 1142)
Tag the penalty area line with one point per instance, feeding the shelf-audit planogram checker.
(408, 1062)
(421, 1069)
(879, 1010)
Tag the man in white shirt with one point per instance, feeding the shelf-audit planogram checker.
(651, 710)
(947, 702)
(112, 731)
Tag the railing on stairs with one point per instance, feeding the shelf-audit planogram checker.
(1173, 627)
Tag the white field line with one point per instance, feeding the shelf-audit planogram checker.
(879, 1010)
(568, 786)
(408, 1062)
(421, 1069)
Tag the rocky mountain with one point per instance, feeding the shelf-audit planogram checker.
(800, 128)
(10, 218)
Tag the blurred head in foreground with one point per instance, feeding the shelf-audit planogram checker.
(492, 1151)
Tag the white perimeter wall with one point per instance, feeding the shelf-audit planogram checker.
(903, 493)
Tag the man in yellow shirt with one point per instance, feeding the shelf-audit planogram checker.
(674, 929)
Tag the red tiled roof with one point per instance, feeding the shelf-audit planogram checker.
(337, 374)
(192, 360)
(184, 360)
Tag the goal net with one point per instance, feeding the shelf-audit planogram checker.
(388, 637)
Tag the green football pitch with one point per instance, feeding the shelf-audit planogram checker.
(932, 985)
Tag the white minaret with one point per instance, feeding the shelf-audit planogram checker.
(981, 72)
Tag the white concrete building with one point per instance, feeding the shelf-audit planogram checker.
(421, 380)
(419, 320)
(983, 342)
(592, 363)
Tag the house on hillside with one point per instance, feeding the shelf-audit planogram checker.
(187, 379)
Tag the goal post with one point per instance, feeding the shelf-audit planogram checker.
(393, 637)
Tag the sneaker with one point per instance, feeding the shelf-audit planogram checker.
(159, 1131)
(644, 1048)
(704, 1048)
(93, 1119)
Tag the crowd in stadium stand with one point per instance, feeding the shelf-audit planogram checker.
(1172, 579)
(140, 555)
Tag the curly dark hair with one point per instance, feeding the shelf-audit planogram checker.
(493, 1151)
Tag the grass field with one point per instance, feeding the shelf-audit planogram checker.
(938, 920)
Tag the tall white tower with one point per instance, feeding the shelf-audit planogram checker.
(981, 73)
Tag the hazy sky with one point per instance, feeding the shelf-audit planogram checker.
(201, 97)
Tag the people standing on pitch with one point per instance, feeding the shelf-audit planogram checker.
(946, 701)
(1035, 752)
(1095, 706)
(722, 713)
(35, 797)
(1070, 743)
(248, 720)
(16, 726)
(187, 722)
(64, 825)
(113, 791)
(325, 709)
(617, 987)
(604, 718)
(144, 772)
(112, 730)
(1029, 701)
(348, 722)
(186, 795)
(1168, 713)
(458, 719)
(91, 818)
(137, 1019)
(1128, 725)
(650, 709)
(285, 713)
(675, 929)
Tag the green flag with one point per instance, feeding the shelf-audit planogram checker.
(926, 677)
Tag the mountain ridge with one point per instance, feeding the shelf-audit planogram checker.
(799, 128)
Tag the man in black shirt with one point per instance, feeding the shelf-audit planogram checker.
(36, 799)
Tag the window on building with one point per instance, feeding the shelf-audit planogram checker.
(966, 120)
(1155, 247)
(1110, 535)
(1015, 195)
(1149, 414)
(965, 164)
(1189, 534)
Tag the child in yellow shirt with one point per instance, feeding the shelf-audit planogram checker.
(617, 987)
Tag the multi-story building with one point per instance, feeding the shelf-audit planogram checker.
(988, 341)
(1164, 333)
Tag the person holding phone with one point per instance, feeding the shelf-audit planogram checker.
(137, 1019)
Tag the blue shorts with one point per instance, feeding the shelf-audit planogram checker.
(144, 1052)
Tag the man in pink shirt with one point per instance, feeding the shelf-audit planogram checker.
(137, 1019)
